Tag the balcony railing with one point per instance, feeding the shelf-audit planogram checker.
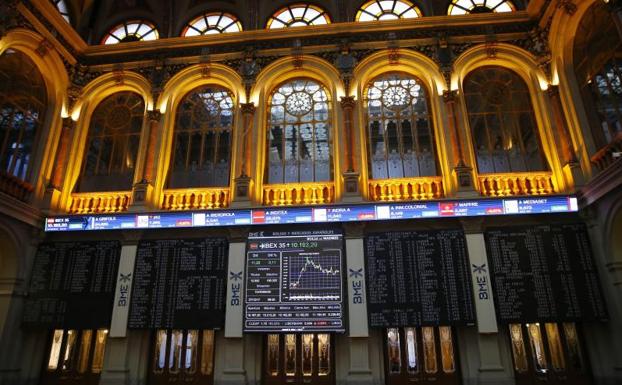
(605, 156)
(298, 194)
(528, 183)
(192, 199)
(15, 187)
(406, 189)
(100, 202)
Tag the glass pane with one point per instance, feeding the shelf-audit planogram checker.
(100, 348)
(307, 354)
(429, 349)
(393, 350)
(67, 364)
(323, 347)
(290, 354)
(411, 350)
(174, 359)
(518, 348)
(537, 347)
(572, 341)
(555, 347)
(159, 354)
(85, 350)
(57, 341)
(190, 359)
(207, 353)
(273, 354)
(447, 349)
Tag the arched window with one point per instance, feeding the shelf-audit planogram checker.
(112, 143)
(299, 15)
(23, 101)
(463, 7)
(387, 10)
(598, 67)
(212, 23)
(61, 5)
(131, 31)
(299, 128)
(503, 126)
(399, 130)
(202, 139)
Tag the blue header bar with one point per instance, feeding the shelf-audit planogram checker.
(316, 214)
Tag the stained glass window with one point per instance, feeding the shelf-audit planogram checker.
(298, 16)
(112, 143)
(23, 100)
(463, 7)
(598, 67)
(399, 132)
(502, 121)
(212, 23)
(387, 10)
(61, 5)
(299, 140)
(131, 31)
(202, 139)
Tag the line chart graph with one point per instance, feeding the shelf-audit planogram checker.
(314, 277)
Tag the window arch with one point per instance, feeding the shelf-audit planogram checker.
(298, 15)
(23, 102)
(112, 143)
(598, 67)
(299, 133)
(202, 139)
(129, 31)
(212, 23)
(400, 136)
(503, 126)
(387, 10)
(61, 5)
(463, 7)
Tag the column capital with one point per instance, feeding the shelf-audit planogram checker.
(449, 96)
(553, 90)
(347, 102)
(248, 108)
(154, 115)
(68, 123)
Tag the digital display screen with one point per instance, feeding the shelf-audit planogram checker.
(544, 273)
(318, 214)
(294, 281)
(72, 285)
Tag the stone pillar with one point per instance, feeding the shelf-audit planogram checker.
(53, 190)
(143, 190)
(359, 371)
(572, 170)
(234, 371)
(491, 369)
(350, 176)
(242, 182)
(462, 172)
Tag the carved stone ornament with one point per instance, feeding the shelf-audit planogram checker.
(347, 102)
(567, 6)
(449, 96)
(154, 115)
(248, 108)
(44, 47)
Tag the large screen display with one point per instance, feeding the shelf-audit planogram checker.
(294, 281)
(179, 283)
(72, 285)
(544, 273)
(418, 279)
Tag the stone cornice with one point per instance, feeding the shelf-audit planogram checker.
(20, 211)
